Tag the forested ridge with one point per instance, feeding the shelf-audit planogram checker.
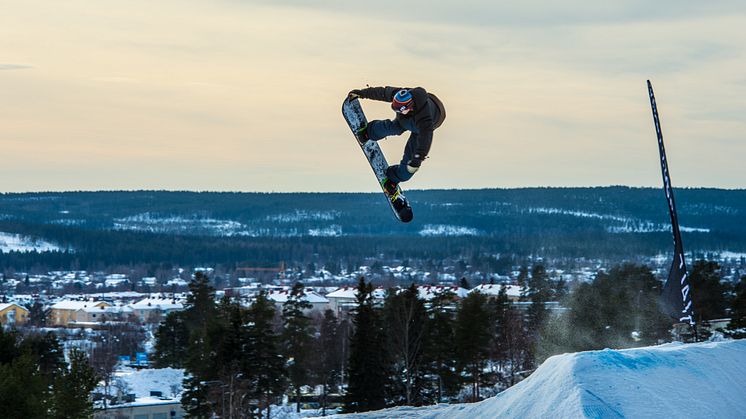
(125, 227)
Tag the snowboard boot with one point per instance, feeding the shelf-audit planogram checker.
(391, 188)
(362, 134)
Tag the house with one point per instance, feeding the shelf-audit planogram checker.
(176, 282)
(345, 298)
(492, 290)
(100, 314)
(149, 281)
(153, 308)
(142, 408)
(64, 312)
(317, 301)
(11, 314)
(428, 292)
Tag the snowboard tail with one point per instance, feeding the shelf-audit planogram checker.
(353, 114)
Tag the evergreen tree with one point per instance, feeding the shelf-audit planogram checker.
(522, 280)
(737, 324)
(38, 315)
(406, 318)
(194, 398)
(265, 363)
(200, 304)
(515, 345)
(171, 341)
(47, 351)
(229, 337)
(328, 361)
(709, 292)
(472, 339)
(367, 372)
(72, 389)
(35, 381)
(498, 308)
(24, 391)
(538, 293)
(296, 336)
(440, 352)
(619, 309)
(560, 289)
(201, 319)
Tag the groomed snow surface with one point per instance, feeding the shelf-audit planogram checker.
(701, 380)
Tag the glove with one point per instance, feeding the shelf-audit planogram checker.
(354, 94)
(413, 165)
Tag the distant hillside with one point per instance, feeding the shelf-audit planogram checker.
(567, 222)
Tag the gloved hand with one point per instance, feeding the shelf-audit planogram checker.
(354, 94)
(413, 165)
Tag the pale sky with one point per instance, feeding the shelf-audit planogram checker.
(245, 95)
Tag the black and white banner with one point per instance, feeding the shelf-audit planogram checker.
(676, 299)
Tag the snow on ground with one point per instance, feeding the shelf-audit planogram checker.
(626, 224)
(167, 224)
(331, 231)
(15, 242)
(430, 230)
(669, 381)
(142, 382)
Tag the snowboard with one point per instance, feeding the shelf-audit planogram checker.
(353, 114)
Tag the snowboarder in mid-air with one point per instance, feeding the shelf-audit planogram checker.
(418, 112)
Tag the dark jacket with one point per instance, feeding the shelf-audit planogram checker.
(428, 115)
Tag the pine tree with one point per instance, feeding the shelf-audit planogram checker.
(200, 304)
(328, 348)
(709, 292)
(297, 337)
(24, 390)
(230, 340)
(171, 341)
(194, 398)
(472, 339)
(72, 389)
(523, 282)
(619, 309)
(737, 324)
(367, 372)
(47, 351)
(440, 352)
(35, 381)
(265, 363)
(201, 319)
(405, 318)
(38, 315)
(515, 345)
(538, 293)
(498, 309)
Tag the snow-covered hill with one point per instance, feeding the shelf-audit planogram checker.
(17, 243)
(668, 381)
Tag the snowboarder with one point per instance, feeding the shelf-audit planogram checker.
(418, 112)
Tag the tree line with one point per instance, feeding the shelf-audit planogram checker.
(404, 350)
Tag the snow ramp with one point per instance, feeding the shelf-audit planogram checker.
(700, 380)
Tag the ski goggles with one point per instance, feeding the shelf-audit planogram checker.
(402, 108)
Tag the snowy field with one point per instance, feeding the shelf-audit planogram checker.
(701, 380)
(141, 382)
(17, 243)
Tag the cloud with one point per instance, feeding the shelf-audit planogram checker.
(526, 13)
(14, 66)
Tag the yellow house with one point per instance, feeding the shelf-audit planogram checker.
(12, 314)
(64, 312)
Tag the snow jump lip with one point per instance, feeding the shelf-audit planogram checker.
(674, 380)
